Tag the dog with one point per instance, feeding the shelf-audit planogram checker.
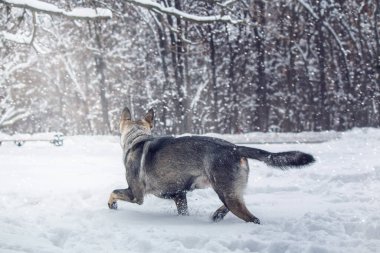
(169, 167)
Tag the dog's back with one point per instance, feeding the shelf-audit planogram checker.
(182, 164)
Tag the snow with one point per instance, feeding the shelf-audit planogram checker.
(31, 137)
(54, 199)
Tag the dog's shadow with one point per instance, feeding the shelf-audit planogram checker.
(167, 217)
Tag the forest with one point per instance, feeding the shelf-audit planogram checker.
(229, 66)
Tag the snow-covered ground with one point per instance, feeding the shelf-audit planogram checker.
(54, 199)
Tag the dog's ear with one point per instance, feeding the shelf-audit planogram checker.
(149, 117)
(126, 114)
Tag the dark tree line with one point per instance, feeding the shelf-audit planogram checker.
(277, 66)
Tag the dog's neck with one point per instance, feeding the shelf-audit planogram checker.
(134, 136)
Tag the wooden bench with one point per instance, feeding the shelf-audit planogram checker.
(19, 140)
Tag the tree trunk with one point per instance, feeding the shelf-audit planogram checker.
(322, 114)
(262, 108)
(100, 67)
(213, 84)
(162, 41)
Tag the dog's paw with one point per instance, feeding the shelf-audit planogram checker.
(184, 213)
(112, 205)
(216, 217)
(256, 221)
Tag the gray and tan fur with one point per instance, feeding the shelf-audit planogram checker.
(169, 167)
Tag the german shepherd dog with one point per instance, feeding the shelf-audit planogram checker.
(169, 167)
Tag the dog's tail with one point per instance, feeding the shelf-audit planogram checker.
(281, 159)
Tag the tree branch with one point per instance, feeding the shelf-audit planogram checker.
(21, 39)
(183, 15)
(75, 13)
(308, 8)
(17, 38)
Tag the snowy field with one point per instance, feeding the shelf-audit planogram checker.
(54, 199)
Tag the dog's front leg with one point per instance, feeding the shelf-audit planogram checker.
(122, 194)
(181, 203)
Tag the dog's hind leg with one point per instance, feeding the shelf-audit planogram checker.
(229, 182)
(181, 203)
(237, 207)
(220, 213)
(122, 194)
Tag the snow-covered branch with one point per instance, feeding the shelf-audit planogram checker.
(11, 116)
(48, 8)
(181, 14)
(325, 24)
(17, 38)
(71, 74)
(22, 39)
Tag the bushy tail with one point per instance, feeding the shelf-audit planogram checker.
(281, 160)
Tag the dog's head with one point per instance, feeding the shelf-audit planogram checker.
(127, 124)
